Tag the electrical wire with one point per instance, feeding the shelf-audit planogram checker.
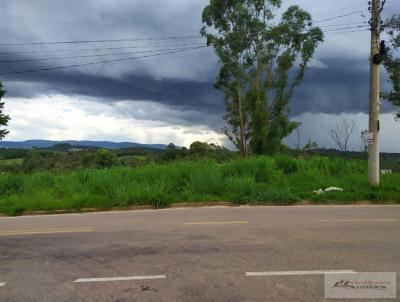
(338, 17)
(346, 28)
(100, 62)
(103, 41)
(87, 56)
(348, 31)
(342, 9)
(89, 49)
(342, 24)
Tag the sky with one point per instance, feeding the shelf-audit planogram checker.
(170, 97)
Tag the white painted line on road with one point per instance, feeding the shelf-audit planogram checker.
(46, 231)
(358, 220)
(216, 222)
(298, 273)
(120, 278)
(3, 283)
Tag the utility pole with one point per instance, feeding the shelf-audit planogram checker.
(374, 95)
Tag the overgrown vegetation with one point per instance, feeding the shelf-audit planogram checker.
(67, 158)
(278, 180)
(64, 157)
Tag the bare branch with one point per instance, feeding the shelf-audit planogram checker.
(343, 134)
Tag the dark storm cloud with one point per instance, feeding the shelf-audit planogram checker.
(187, 94)
(341, 87)
(44, 20)
(185, 85)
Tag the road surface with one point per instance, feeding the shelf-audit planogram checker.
(204, 254)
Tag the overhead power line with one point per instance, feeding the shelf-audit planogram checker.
(89, 56)
(346, 28)
(361, 2)
(91, 49)
(103, 41)
(338, 17)
(100, 62)
(341, 24)
(348, 31)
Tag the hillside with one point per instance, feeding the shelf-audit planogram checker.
(99, 144)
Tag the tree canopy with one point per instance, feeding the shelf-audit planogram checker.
(3, 117)
(263, 57)
(392, 60)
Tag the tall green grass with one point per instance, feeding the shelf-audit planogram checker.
(278, 180)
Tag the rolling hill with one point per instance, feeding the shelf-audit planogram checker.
(99, 144)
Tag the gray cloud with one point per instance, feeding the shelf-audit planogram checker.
(341, 87)
(181, 82)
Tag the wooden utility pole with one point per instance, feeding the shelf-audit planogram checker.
(374, 95)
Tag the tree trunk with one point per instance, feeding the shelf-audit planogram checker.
(242, 127)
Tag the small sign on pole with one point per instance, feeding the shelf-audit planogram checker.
(369, 138)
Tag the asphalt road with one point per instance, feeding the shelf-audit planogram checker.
(194, 254)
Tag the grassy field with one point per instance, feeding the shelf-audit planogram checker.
(279, 180)
(14, 161)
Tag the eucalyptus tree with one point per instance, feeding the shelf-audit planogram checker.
(3, 117)
(263, 57)
(392, 59)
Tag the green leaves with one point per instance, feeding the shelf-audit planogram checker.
(392, 60)
(3, 118)
(262, 61)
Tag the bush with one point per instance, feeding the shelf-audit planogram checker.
(287, 164)
(10, 183)
(261, 169)
(241, 189)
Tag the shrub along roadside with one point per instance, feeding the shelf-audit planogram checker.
(277, 180)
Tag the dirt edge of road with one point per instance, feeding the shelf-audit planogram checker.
(198, 205)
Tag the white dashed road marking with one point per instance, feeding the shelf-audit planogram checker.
(358, 220)
(120, 278)
(298, 273)
(216, 222)
(46, 231)
(3, 283)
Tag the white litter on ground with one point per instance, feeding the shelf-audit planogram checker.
(330, 189)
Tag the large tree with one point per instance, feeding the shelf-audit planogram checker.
(392, 60)
(262, 61)
(3, 118)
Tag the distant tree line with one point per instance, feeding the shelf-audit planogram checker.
(198, 150)
(64, 157)
(45, 160)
